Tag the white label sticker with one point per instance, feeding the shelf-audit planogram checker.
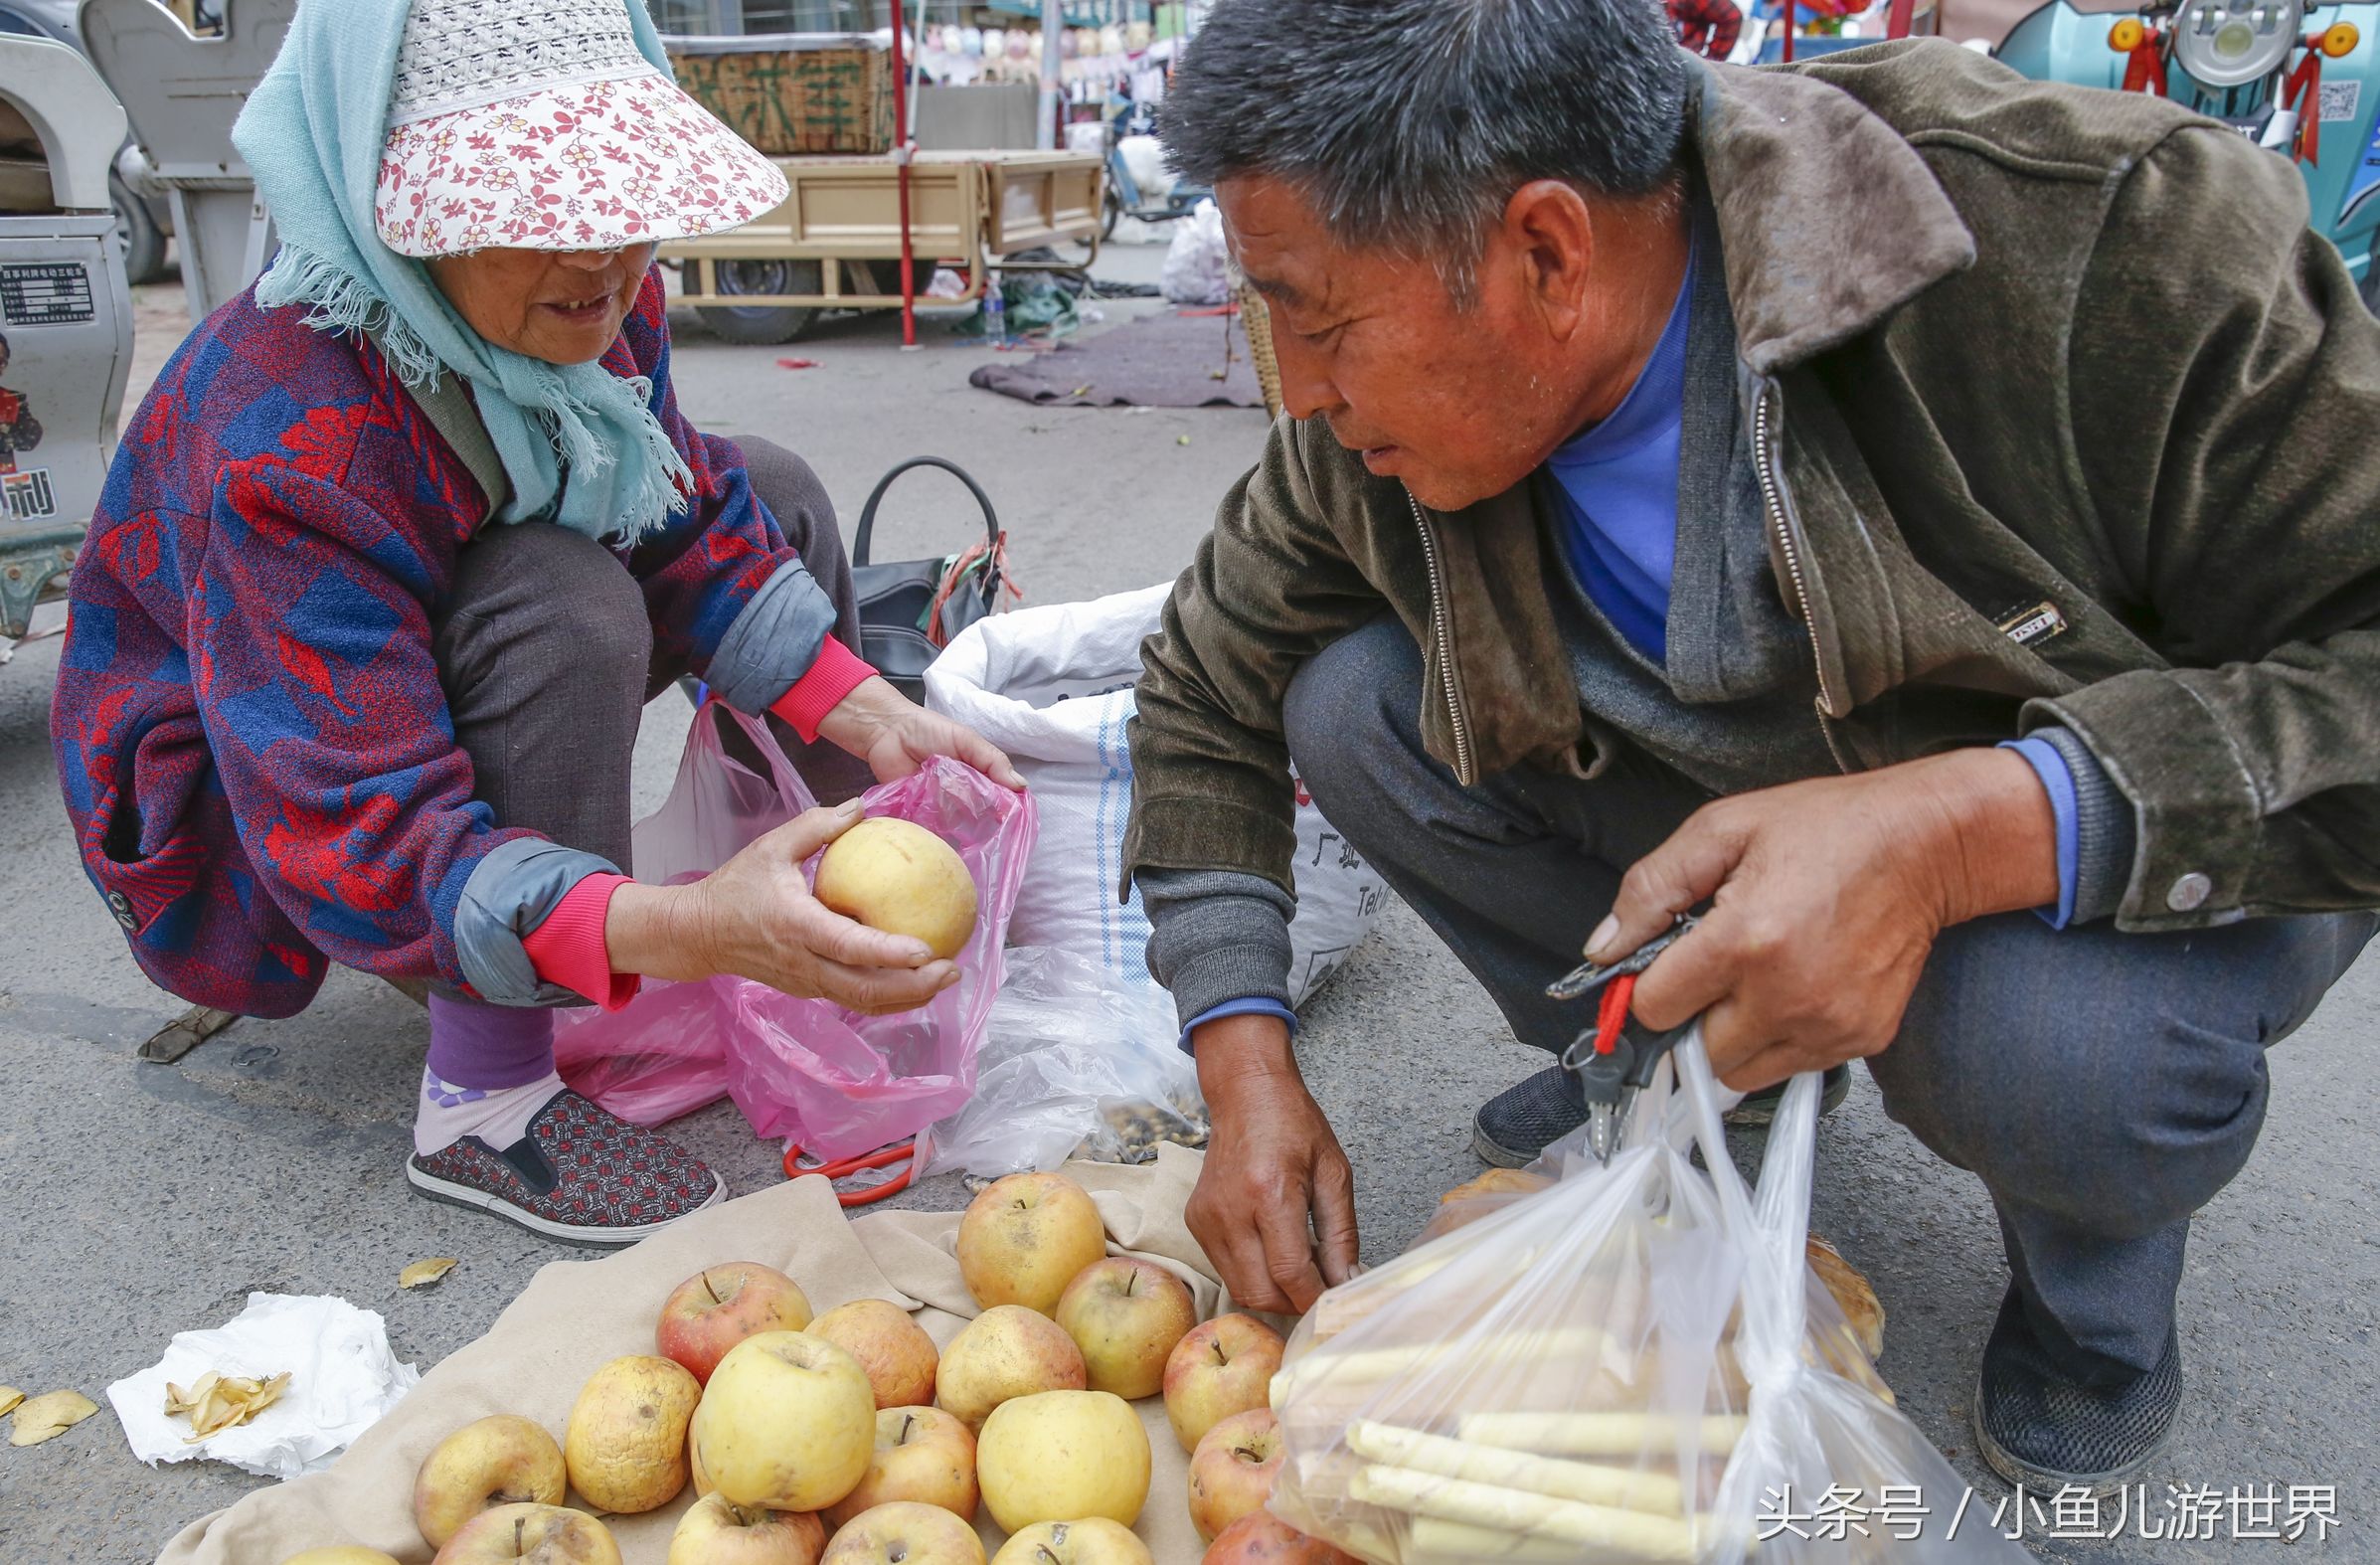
(2339, 99)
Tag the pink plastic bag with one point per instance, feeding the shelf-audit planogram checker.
(832, 1080)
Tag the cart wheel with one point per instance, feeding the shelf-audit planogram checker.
(762, 325)
(136, 234)
(1111, 208)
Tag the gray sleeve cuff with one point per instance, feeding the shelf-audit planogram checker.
(1216, 936)
(2106, 833)
(774, 641)
(511, 891)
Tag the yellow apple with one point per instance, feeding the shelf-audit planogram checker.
(341, 1554)
(1093, 1540)
(503, 1460)
(1127, 1315)
(787, 1423)
(894, 1349)
(1025, 1236)
(1232, 1472)
(717, 1532)
(905, 1534)
(720, 1305)
(1222, 1367)
(626, 1441)
(896, 876)
(1006, 1351)
(530, 1535)
(922, 1455)
(1061, 1456)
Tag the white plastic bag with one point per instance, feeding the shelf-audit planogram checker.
(1074, 1065)
(1632, 1364)
(1198, 263)
(1053, 687)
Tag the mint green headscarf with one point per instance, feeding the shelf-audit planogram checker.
(312, 134)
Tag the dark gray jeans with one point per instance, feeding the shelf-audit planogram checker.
(2102, 1085)
(546, 651)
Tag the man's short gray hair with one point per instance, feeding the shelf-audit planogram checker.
(1410, 124)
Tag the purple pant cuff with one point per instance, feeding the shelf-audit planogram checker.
(490, 1046)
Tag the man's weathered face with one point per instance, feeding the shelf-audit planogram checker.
(1461, 403)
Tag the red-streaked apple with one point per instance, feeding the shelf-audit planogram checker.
(501, 1459)
(720, 1305)
(1222, 1367)
(530, 1535)
(718, 1531)
(922, 1455)
(1232, 1472)
(894, 1350)
(905, 1534)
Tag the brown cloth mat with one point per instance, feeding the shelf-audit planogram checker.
(1158, 361)
(577, 1315)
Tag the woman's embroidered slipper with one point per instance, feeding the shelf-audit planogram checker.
(580, 1175)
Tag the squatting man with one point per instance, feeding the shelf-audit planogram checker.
(1865, 502)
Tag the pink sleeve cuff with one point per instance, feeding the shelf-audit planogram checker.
(568, 948)
(837, 672)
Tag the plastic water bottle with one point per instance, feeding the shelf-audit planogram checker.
(996, 313)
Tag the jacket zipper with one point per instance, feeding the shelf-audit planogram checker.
(1446, 647)
(1773, 499)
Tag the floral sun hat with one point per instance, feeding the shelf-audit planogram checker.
(539, 124)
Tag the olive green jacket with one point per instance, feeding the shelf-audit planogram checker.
(2062, 417)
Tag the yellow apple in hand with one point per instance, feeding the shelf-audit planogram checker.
(787, 1423)
(905, 1534)
(1025, 1236)
(503, 1460)
(1062, 1456)
(531, 1535)
(1232, 1472)
(1222, 1368)
(1094, 1540)
(720, 1305)
(894, 1350)
(1127, 1315)
(922, 1455)
(896, 876)
(717, 1532)
(626, 1441)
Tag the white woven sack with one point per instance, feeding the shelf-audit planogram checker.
(1053, 687)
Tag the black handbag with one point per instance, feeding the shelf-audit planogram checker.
(911, 608)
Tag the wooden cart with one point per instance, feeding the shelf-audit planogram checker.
(835, 243)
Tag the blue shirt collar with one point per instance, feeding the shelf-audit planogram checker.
(1653, 404)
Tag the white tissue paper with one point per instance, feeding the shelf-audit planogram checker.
(342, 1378)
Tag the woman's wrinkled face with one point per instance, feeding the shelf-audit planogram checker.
(564, 307)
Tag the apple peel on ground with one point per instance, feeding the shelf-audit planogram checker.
(425, 1272)
(10, 1396)
(218, 1401)
(49, 1416)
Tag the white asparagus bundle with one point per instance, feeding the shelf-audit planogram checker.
(1473, 1359)
(1655, 1540)
(1601, 1434)
(1624, 1488)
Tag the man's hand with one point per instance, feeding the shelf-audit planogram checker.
(756, 918)
(1271, 1164)
(1826, 897)
(894, 735)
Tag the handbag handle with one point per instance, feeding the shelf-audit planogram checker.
(867, 521)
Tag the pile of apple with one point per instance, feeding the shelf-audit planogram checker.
(847, 1440)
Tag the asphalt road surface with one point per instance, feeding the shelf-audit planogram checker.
(140, 1200)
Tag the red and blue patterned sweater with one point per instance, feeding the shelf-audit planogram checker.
(250, 729)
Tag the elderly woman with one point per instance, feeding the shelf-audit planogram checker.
(397, 549)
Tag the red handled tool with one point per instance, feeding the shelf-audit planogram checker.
(902, 1151)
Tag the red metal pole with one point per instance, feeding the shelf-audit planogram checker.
(1786, 56)
(901, 155)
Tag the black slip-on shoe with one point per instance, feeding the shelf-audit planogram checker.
(1517, 1125)
(2043, 1430)
(1760, 1107)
